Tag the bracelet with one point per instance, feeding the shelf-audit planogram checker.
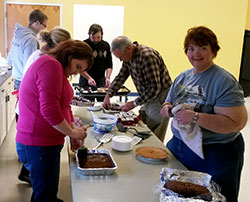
(195, 118)
(165, 103)
(134, 103)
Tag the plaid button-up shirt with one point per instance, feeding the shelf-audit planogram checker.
(148, 72)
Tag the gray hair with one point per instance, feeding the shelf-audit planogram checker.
(121, 43)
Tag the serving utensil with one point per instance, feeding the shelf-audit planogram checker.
(104, 139)
(122, 128)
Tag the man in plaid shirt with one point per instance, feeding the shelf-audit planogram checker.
(151, 79)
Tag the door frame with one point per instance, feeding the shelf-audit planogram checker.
(24, 3)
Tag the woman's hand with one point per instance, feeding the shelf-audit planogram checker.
(75, 144)
(79, 133)
(166, 109)
(185, 116)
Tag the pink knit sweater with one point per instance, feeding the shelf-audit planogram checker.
(45, 97)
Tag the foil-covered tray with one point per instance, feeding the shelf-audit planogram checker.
(195, 177)
(97, 171)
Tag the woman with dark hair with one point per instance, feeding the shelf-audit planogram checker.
(213, 102)
(45, 115)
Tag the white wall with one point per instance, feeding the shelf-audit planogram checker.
(109, 17)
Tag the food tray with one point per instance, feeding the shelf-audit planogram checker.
(112, 111)
(81, 102)
(97, 171)
(89, 92)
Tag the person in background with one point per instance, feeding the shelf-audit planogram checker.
(50, 40)
(151, 78)
(24, 43)
(45, 115)
(99, 74)
(216, 103)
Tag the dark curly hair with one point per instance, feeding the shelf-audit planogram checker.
(201, 36)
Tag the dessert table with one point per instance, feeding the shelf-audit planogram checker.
(132, 181)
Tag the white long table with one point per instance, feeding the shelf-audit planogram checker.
(133, 181)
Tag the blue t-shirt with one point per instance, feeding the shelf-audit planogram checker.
(203, 91)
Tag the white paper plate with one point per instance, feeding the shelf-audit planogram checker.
(122, 143)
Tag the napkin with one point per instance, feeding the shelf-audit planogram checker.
(190, 133)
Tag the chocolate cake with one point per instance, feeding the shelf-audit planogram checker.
(188, 189)
(95, 161)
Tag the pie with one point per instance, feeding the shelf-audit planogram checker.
(152, 152)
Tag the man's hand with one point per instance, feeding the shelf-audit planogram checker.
(107, 82)
(91, 82)
(106, 101)
(128, 106)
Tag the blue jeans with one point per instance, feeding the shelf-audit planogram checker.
(222, 161)
(17, 84)
(43, 162)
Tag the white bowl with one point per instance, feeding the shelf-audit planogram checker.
(122, 143)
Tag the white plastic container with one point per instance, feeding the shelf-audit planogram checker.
(104, 123)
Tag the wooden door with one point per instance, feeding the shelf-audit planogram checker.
(20, 13)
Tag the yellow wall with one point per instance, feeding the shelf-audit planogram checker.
(248, 16)
(162, 24)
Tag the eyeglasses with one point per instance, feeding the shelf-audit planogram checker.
(123, 55)
(43, 24)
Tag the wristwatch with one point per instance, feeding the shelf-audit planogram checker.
(195, 118)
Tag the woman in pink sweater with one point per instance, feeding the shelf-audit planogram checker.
(45, 115)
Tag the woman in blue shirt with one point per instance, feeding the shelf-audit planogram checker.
(216, 104)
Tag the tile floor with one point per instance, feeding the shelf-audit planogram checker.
(13, 190)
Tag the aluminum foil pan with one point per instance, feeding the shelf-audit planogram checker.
(97, 171)
(199, 178)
